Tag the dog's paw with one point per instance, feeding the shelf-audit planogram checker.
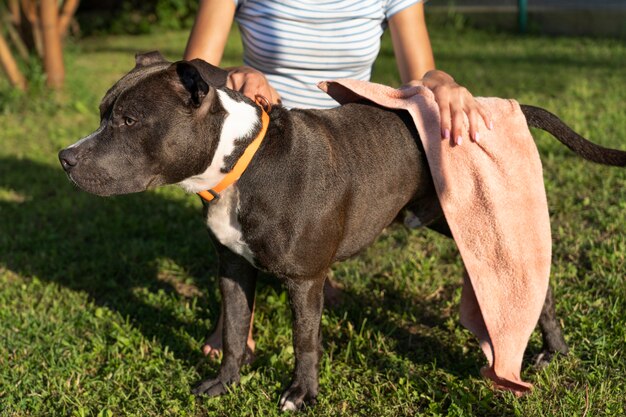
(210, 387)
(542, 360)
(547, 355)
(295, 397)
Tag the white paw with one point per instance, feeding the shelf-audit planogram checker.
(411, 221)
(289, 405)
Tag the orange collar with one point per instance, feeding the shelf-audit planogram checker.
(248, 154)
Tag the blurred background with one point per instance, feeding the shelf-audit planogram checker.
(552, 17)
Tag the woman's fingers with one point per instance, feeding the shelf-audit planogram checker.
(457, 123)
(455, 104)
(444, 116)
(251, 83)
(474, 129)
(477, 117)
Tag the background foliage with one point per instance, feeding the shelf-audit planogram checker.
(135, 16)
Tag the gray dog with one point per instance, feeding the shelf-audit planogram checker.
(321, 187)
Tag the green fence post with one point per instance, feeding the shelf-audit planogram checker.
(522, 15)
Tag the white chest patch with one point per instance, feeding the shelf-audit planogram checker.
(222, 220)
(239, 122)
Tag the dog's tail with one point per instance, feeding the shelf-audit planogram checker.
(543, 119)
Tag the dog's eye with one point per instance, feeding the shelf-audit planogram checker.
(128, 121)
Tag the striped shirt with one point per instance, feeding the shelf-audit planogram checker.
(297, 44)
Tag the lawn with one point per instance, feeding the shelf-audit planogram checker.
(104, 302)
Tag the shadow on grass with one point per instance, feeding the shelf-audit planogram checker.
(426, 341)
(109, 248)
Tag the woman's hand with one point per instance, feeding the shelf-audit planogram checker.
(251, 82)
(455, 100)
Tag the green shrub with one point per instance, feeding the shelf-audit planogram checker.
(135, 16)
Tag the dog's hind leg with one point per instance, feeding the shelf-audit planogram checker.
(306, 298)
(237, 286)
(551, 332)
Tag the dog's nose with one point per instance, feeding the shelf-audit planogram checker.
(68, 159)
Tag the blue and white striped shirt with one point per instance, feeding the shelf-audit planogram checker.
(297, 44)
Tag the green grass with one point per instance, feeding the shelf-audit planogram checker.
(104, 301)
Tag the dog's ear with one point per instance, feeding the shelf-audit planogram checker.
(195, 86)
(149, 58)
(214, 76)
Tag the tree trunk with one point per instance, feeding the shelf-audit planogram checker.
(30, 11)
(69, 8)
(52, 52)
(16, 16)
(14, 37)
(10, 66)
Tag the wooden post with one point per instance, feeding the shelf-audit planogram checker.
(10, 66)
(52, 52)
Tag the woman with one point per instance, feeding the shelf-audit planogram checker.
(290, 45)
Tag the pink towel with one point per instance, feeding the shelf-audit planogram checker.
(494, 201)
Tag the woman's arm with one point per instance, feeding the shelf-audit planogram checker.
(210, 31)
(208, 40)
(411, 43)
(414, 56)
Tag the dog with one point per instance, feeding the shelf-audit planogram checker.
(319, 189)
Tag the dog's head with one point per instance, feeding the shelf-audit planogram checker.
(159, 124)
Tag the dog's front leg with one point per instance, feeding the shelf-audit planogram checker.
(237, 286)
(307, 299)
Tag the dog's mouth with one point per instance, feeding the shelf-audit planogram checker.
(92, 185)
(108, 186)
